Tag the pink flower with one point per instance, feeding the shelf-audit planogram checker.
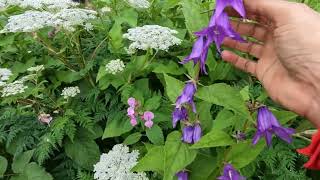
(148, 124)
(148, 116)
(45, 118)
(132, 102)
(130, 111)
(133, 121)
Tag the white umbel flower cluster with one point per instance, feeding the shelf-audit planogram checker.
(16, 87)
(4, 75)
(39, 4)
(117, 165)
(151, 36)
(70, 92)
(139, 4)
(38, 68)
(105, 10)
(31, 21)
(115, 66)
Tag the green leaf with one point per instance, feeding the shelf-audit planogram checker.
(68, 76)
(153, 103)
(284, 116)
(205, 115)
(224, 119)
(3, 165)
(7, 40)
(215, 138)
(115, 34)
(132, 138)
(177, 155)
(173, 87)
(155, 135)
(117, 125)
(152, 161)
(83, 150)
(195, 19)
(202, 166)
(33, 171)
(169, 68)
(19, 162)
(101, 73)
(129, 16)
(224, 95)
(244, 153)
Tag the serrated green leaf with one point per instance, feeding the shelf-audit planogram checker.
(243, 153)
(155, 135)
(177, 155)
(173, 87)
(132, 138)
(195, 19)
(33, 171)
(3, 165)
(205, 116)
(224, 95)
(152, 103)
(19, 162)
(214, 138)
(224, 119)
(101, 73)
(116, 126)
(68, 76)
(152, 161)
(202, 166)
(169, 68)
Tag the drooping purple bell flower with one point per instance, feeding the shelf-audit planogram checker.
(197, 133)
(182, 175)
(199, 53)
(187, 96)
(267, 124)
(187, 134)
(229, 173)
(178, 115)
(235, 4)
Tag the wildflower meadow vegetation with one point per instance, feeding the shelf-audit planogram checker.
(137, 90)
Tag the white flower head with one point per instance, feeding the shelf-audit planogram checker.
(117, 165)
(29, 21)
(68, 18)
(105, 10)
(70, 92)
(38, 68)
(151, 36)
(88, 27)
(16, 87)
(5, 74)
(40, 4)
(139, 4)
(115, 66)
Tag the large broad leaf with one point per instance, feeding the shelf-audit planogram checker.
(202, 166)
(33, 171)
(224, 95)
(3, 165)
(244, 153)
(152, 161)
(224, 119)
(205, 116)
(115, 34)
(215, 138)
(174, 87)
(117, 125)
(152, 103)
(155, 135)
(169, 68)
(177, 155)
(195, 19)
(284, 116)
(68, 76)
(83, 150)
(20, 161)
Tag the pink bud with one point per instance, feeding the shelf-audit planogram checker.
(133, 121)
(45, 118)
(132, 102)
(130, 111)
(148, 116)
(148, 124)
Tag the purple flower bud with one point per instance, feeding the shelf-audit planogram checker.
(182, 175)
(229, 173)
(197, 133)
(240, 136)
(148, 116)
(187, 134)
(148, 124)
(187, 96)
(267, 124)
(178, 115)
(132, 102)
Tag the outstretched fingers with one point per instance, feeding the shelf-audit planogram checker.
(240, 62)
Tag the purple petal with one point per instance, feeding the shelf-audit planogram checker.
(187, 134)
(284, 133)
(186, 95)
(197, 50)
(182, 175)
(236, 4)
(229, 173)
(256, 137)
(268, 136)
(148, 115)
(264, 122)
(197, 133)
(179, 114)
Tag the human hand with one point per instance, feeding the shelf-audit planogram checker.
(288, 53)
